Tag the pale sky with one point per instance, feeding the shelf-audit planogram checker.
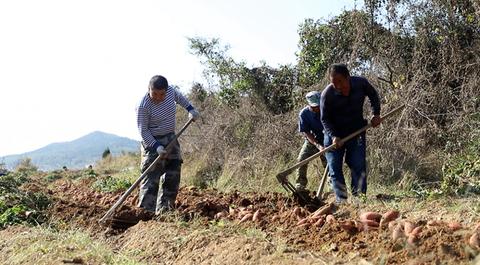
(68, 68)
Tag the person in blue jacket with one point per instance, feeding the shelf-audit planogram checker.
(310, 125)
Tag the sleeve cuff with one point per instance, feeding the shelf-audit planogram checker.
(190, 107)
(156, 145)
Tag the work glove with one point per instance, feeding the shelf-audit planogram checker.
(193, 114)
(161, 150)
(319, 147)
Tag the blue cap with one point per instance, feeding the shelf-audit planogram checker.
(313, 98)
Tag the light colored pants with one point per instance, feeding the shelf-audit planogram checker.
(307, 151)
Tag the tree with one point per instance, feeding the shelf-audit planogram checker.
(272, 87)
(25, 165)
(106, 153)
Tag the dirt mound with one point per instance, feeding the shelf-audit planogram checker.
(78, 204)
(184, 246)
(192, 202)
(275, 215)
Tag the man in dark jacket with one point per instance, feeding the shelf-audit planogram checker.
(342, 114)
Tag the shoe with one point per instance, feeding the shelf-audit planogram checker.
(341, 202)
(162, 210)
(300, 187)
(144, 214)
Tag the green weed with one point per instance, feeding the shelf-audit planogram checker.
(18, 206)
(111, 184)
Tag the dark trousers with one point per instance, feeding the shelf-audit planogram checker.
(159, 189)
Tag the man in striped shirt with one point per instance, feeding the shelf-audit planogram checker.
(156, 117)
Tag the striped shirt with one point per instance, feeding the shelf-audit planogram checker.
(159, 119)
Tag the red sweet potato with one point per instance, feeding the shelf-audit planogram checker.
(474, 240)
(370, 216)
(246, 217)
(257, 216)
(408, 227)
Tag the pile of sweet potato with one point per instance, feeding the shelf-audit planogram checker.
(389, 221)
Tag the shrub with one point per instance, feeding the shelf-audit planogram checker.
(110, 184)
(18, 206)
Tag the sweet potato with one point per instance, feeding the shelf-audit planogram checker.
(313, 219)
(435, 223)
(221, 215)
(412, 239)
(388, 217)
(303, 221)
(416, 231)
(370, 216)
(246, 217)
(397, 232)
(257, 216)
(474, 240)
(370, 223)
(244, 212)
(297, 211)
(304, 212)
(240, 215)
(330, 219)
(349, 226)
(455, 226)
(392, 225)
(326, 209)
(275, 218)
(305, 225)
(369, 228)
(408, 227)
(319, 222)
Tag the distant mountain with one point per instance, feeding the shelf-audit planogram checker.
(78, 153)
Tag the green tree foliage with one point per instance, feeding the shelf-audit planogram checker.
(25, 166)
(340, 39)
(272, 87)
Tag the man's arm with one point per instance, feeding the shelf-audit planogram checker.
(304, 128)
(326, 116)
(374, 99)
(181, 100)
(142, 124)
(312, 140)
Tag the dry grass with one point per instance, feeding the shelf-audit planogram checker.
(43, 245)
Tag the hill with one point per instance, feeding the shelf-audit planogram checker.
(77, 153)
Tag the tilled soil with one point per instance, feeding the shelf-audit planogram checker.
(79, 205)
